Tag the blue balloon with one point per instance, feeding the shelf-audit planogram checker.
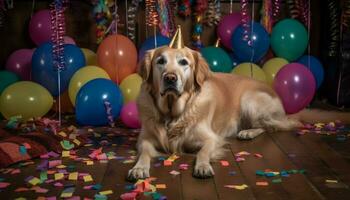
(90, 106)
(315, 67)
(260, 43)
(149, 43)
(43, 71)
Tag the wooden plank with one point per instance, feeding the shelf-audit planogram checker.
(294, 187)
(196, 189)
(317, 171)
(222, 177)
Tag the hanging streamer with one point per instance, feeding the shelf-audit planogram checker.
(2, 13)
(184, 9)
(200, 8)
(245, 21)
(132, 12)
(276, 9)
(113, 26)
(334, 28)
(346, 14)
(164, 21)
(151, 13)
(110, 118)
(292, 8)
(304, 11)
(267, 15)
(172, 7)
(213, 14)
(102, 16)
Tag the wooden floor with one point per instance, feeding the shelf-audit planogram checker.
(322, 156)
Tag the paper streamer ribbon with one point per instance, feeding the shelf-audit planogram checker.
(276, 9)
(184, 9)
(334, 27)
(151, 13)
(292, 8)
(245, 21)
(200, 8)
(267, 15)
(213, 14)
(110, 118)
(58, 32)
(132, 12)
(164, 24)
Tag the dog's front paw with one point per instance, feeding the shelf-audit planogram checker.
(138, 173)
(203, 170)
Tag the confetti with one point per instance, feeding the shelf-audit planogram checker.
(73, 176)
(68, 192)
(174, 172)
(237, 187)
(4, 185)
(240, 159)
(106, 192)
(224, 163)
(258, 155)
(34, 181)
(22, 150)
(160, 186)
(277, 180)
(167, 163)
(262, 183)
(331, 181)
(87, 178)
(59, 176)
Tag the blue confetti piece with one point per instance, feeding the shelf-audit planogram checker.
(22, 150)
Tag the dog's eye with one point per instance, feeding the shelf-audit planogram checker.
(183, 62)
(161, 61)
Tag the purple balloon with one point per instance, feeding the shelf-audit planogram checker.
(130, 115)
(40, 27)
(226, 27)
(20, 63)
(296, 86)
(69, 40)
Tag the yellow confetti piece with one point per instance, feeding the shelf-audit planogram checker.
(237, 187)
(106, 192)
(65, 153)
(89, 162)
(331, 181)
(73, 176)
(59, 176)
(34, 181)
(61, 166)
(77, 142)
(87, 178)
(63, 134)
(160, 186)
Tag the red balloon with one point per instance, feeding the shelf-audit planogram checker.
(227, 26)
(20, 63)
(295, 84)
(118, 56)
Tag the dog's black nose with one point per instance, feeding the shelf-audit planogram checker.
(170, 78)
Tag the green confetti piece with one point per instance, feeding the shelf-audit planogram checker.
(43, 176)
(156, 196)
(302, 171)
(100, 197)
(67, 145)
(22, 150)
(277, 180)
(260, 173)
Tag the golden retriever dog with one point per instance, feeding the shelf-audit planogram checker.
(184, 107)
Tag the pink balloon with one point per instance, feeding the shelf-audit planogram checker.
(130, 116)
(68, 40)
(20, 63)
(296, 86)
(227, 26)
(40, 27)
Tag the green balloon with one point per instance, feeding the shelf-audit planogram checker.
(217, 59)
(6, 79)
(289, 39)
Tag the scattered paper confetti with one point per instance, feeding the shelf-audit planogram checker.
(73, 176)
(4, 185)
(331, 181)
(68, 192)
(174, 172)
(262, 183)
(224, 163)
(237, 187)
(160, 186)
(87, 178)
(106, 192)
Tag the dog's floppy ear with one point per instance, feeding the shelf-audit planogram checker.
(201, 70)
(144, 68)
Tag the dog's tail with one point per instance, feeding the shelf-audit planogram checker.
(315, 115)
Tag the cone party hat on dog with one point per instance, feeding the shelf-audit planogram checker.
(177, 41)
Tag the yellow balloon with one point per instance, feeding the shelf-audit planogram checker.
(81, 77)
(26, 99)
(90, 57)
(130, 87)
(272, 66)
(245, 69)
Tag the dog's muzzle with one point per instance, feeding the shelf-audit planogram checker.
(170, 84)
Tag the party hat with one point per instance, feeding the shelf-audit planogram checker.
(217, 43)
(177, 41)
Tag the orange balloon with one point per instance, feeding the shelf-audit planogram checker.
(118, 56)
(66, 105)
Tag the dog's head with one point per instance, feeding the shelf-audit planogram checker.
(172, 74)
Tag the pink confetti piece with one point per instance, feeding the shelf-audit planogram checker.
(240, 159)
(224, 163)
(258, 155)
(4, 185)
(54, 163)
(128, 196)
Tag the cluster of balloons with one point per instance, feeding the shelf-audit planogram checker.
(294, 77)
(88, 83)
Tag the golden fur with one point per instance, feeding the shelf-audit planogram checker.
(208, 108)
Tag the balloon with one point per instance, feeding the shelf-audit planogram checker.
(289, 39)
(7, 78)
(130, 115)
(234, 59)
(315, 66)
(130, 87)
(68, 40)
(90, 57)
(296, 86)
(217, 59)
(66, 105)
(40, 27)
(81, 77)
(250, 70)
(118, 56)
(25, 98)
(20, 63)
(272, 66)
(90, 108)
(260, 43)
(226, 27)
(149, 43)
(44, 73)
